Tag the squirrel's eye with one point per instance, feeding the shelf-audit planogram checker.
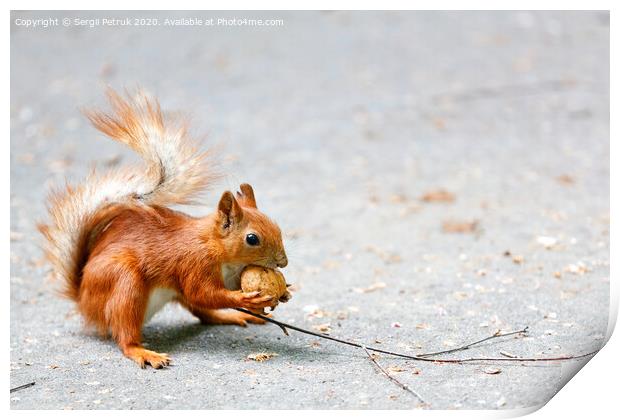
(252, 239)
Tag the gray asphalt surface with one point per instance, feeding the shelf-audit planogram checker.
(342, 122)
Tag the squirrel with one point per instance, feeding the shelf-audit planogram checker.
(123, 253)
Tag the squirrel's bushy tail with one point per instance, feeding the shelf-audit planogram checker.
(176, 173)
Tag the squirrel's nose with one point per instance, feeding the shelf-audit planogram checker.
(282, 261)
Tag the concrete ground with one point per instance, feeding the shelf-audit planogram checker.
(348, 125)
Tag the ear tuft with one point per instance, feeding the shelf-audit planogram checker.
(246, 196)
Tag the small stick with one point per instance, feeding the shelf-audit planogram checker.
(393, 379)
(467, 346)
(421, 359)
(19, 388)
(284, 330)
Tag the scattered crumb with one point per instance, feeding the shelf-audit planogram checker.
(438, 196)
(371, 288)
(567, 294)
(398, 198)
(451, 226)
(547, 241)
(373, 198)
(492, 371)
(342, 315)
(387, 257)
(459, 295)
(318, 313)
(396, 324)
(578, 268)
(565, 179)
(439, 123)
(324, 328)
(518, 259)
(260, 357)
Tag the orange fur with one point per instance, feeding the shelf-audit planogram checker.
(117, 245)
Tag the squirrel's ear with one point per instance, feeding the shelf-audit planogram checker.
(246, 196)
(229, 210)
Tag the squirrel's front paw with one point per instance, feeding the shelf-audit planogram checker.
(253, 300)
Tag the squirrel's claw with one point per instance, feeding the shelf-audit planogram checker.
(253, 300)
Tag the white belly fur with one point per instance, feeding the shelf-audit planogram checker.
(232, 275)
(158, 298)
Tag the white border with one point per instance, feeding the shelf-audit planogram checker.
(592, 392)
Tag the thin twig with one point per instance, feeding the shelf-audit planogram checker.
(393, 379)
(497, 334)
(515, 90)
(282, 327)
(19, 388)
(421, 359)
(284, 330)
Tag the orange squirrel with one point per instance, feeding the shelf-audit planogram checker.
(123, 254)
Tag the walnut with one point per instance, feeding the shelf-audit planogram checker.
(266, 281)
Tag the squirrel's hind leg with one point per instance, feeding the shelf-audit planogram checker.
(124, 311)
(127, 311)
(224, 317)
